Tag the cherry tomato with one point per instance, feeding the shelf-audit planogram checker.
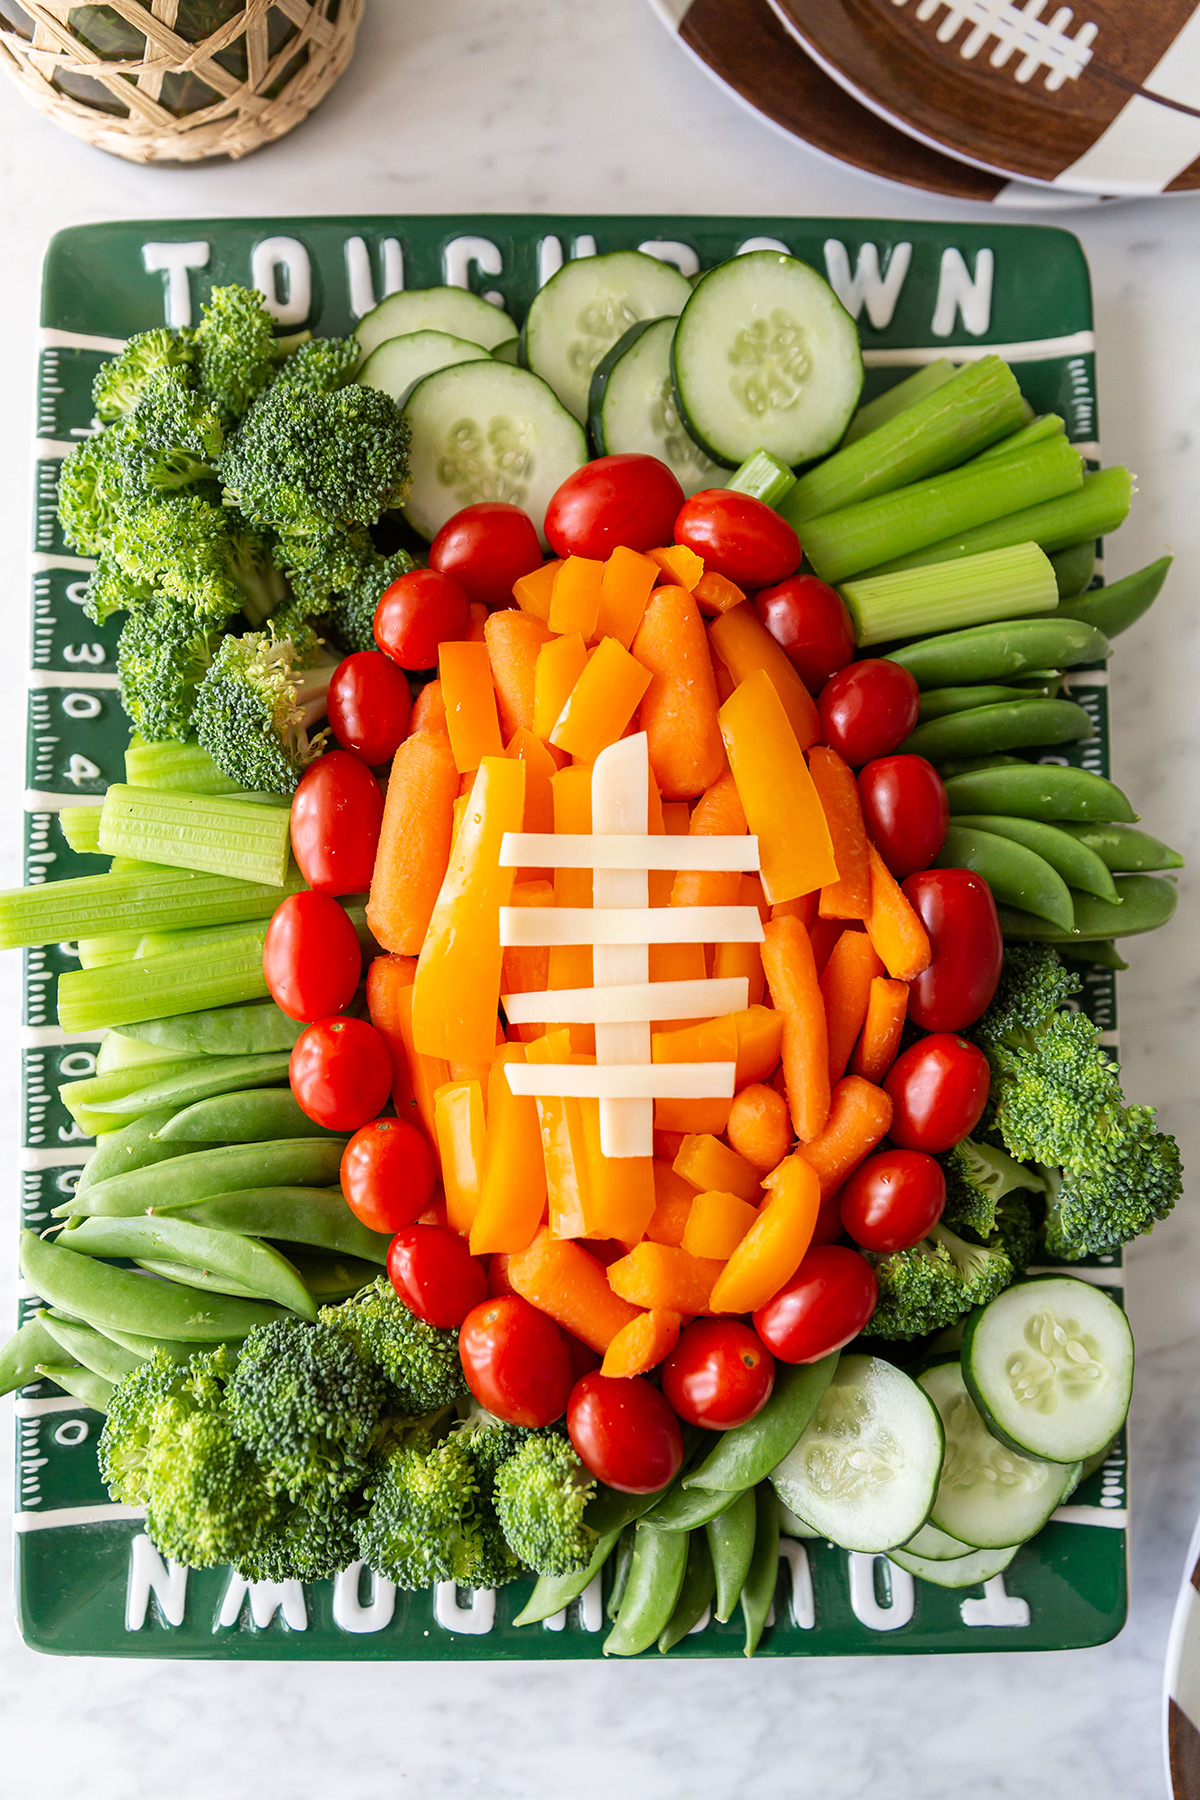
(337, 810)
(340, 1072)
(311, 957)
(738, 536)
(630, 500)
(828, 1228)
(827, 1302)
(369, 706)
(583, 1358)
(893, 1200)
(809, 621)
(435, 1274)
(868, 709)
(718, 1374)
(939, 1088)
(957, 910)
(625, 1433)
(905, 811)
(487, 547)
(516, 1361)
(421, 610)
(388, 1174)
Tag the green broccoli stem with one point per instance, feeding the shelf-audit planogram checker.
(91, 906)
(211, 833)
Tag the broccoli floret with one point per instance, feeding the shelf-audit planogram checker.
(351, 618)
(171, 439)
(110, 590)
(91, 491)
(237, 352)
(1017, 1227)
(927, 1288)
(321, 365)
(978, 1176)
(307, 1405)
(1033, 984)
(420, 1363)
(490, 1443)
(541, 1493)
(1133, 1180)
(120, 383)
(311, 1541)
(182, 545)
(156, 1391)
(255, 706)
(162, 657)
(421, 1524)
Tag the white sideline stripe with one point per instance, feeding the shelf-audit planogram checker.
(76, 1515)
(523, 927)
(634, 1002)
(1097, 1277)
(550, 850)
(55, 1159)
(1085, 678)
(622, 1081)
(41, 800)
(42, 560)
(50, 339)
(1075, 343)
(61, 1403)
(53, 1037)
(52, 449)
(85, 677)
(1116, 1517)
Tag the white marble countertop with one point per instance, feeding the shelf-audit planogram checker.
(551, 105)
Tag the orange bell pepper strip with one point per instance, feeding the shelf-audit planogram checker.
(624, 590)
(679, 710)
(471, 718)
(777, 792)
(745, 646)
(525, 968)
(679, 564)
(759, 1044)
(773, 1248)
(564, 1147)
(414, 842)
(759, 1127)
(849, 897)
(716, 593)
(711, 1166)
(792, 978)
(859, 1116)
(532, 592)
(540, 770)
(642, 1344)
(575, 600)
(659, 1275)
(560, 663)
(601, 703)
(714, 1040)
(458, 1124)
(846, 990)
(879, 1045)
(716, 1225)
(717, 813)
(513, 1197)
(513, 640)
(621, 1189)
(673, 1198)
(429, 710)
(456, 994)
(570, 965)
(900, 939)
(570, 1284)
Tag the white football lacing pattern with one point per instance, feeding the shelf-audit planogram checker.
(1018, 31)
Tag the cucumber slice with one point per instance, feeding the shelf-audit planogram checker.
(765, 356)
(454, 310)
(866, 1467)
(631, 407)
(396, 365)
(967, 1571)
(583, 309)
(989, 1496)
(936, 1545)
(487, 431)
(1049, 1364)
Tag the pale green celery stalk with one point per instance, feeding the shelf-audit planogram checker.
(113, 1084)
(1013, 583)
(80, 825)
(208, 832)
(893, 400)
(1046, 425)
(157, 987)
(764, 478)
(163, 943)
(875, 531)
(160, 899)
(113, 947)
(1092, 511)
(958, 420)
(185, 768)
(121, 1052)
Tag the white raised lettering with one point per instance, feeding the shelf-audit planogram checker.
(896, 1609)
(281, 271)
(867, 286)
(174, 261)
(148, 1574)
(961, 292)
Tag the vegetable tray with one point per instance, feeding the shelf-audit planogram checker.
(88, 1580)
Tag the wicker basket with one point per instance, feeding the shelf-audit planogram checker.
(177, 80)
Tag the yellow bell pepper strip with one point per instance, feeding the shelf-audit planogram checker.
(773, 1248)
(533, 592)
(602, 702)
(673, 1198)
(679, 564)
(745, 645)
(525, 968)
(712, 1166)
(777, 792)
(663, 1277)
(570, 965)
(456, 995)
(575, 601)
(621, 1189)
(540, 769)
(716, 1225)
(560, 663)
(624, 590)
(569, 1283)
(716, 593)
(469, 1071)
(564, 1150)
(642, 1344)
(459, 1128)
(465, 673)
(714, 1040)
(513, 1198)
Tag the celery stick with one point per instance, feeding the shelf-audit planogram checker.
(184, 767)
(121, 1052)
(876, 531)
(113, 947)
(1001, 584)
(1046, 425)
(80, 825)
(158, 986)
(170, 943)
(962, 417)
(1092, 511)
(79, 1097)
(893, 400)
(160, 899)
(763, 477)
(209, 832)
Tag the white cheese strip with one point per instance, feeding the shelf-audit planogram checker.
(634, 1000)
(525, 926)
(620, 806)
(612, 850)
(623, 1081)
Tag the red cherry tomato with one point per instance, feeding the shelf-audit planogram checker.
(388, 1174)
(826, 1303)
(625, 1433)
(630, 500)
(738, 536)
(939, 1088)
(809, 621)
(340, 1072)
(828, 1228)
(893, 1200)
(417, 613)
(337, 810)
(718, 1374)
(957, 910)
(487, 547)
(435, 1274)
(516, 1361)
(369, 704)
(311, 957)
(868, 709)
(905, 811)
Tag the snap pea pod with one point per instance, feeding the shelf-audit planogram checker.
(758, 1590)
(746, 1455)
(144, 1347)
(249, 1117)
(1101, 951)
(255, 1029)
(20, 1357)
(91, 1348)
(216, 1075)
(937, 702)
(1050, 791)
(1017, 724)
(695, 1596)
(290, 1162)
(82, 1097)
(187, 1276)
(332, 1278)
(612, 1515)
(1078, 865)
(622, 1563)
(1074, 568)
(111, 1298)
(1114, 609)
(685, 1509)
(1145, 903)
(997, 651)
(967, 765)
(655, 1579)
(257, 1270)
(92, 1389)
(294, 1215)
(1016, 875)
(1125, 849)
(731, 1542)
(134, 1146)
